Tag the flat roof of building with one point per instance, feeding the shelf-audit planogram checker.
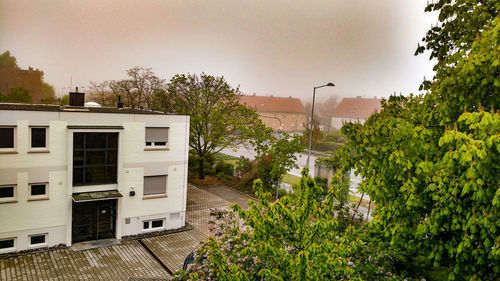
(67, 108)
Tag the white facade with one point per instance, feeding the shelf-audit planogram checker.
(338, 122)
(51, 215)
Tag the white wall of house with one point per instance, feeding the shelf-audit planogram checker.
(338, 122)
(52, 216)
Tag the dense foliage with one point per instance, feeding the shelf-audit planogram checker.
(294, 238)
(19, 95)
(432, 163)
(275, 157)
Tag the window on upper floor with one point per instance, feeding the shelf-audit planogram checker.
(156, 137)
(95, 157)
(7, 193)
(38, 137)
(7, 138)
(155, 185)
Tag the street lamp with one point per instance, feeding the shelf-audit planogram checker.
(312, 120)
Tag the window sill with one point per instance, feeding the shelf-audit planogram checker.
(154, 196)
(153, 229)
(152, 148)
(8, 151)
(38, 199)
(39, 150)
(38, 246)
(7, 250)
(5, 201)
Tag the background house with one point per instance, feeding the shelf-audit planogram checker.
(356, 110)
(290, 111)
(29, 79)
(73, 173)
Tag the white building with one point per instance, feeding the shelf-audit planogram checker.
(71, 174)
(354, 110)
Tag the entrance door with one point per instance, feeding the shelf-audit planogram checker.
(93, 220)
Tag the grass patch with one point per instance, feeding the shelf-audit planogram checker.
(290, 179)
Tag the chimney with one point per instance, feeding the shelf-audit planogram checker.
(120, 103)
(76, 98)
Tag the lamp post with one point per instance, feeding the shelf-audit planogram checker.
(279, 137)
(312, 121)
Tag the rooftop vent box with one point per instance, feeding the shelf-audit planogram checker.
(76, 98)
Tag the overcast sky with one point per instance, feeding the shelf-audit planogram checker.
(267, 47)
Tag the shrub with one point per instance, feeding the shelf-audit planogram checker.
(221, 167)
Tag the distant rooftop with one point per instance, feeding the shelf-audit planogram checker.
(357, 108)
(66, 108)
(273, 104)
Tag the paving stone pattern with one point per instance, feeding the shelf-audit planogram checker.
(120, 262)
(128, 261)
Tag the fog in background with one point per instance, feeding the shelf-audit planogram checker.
(267, 47)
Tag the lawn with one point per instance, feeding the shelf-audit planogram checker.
(290, 179)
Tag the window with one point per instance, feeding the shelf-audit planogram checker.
(7, 193)
(38, 191)
(6, 137)
(7, 244)
(156, 137)
(38, 239)
(152, 224)
(38, 137)
(155, 185)
(95, 157)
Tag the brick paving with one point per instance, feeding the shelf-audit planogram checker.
(129, 260)
(172, 249)
(119, 262)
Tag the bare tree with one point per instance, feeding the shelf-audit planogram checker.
(146, 84)
(101, 93)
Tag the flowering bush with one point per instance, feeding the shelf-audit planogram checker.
(300, 238)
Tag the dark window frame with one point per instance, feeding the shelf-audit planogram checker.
(44, 235)
(44, 195)
(110, 163)
(2, 134)
(46, 140)
(8, 248)
(10, 198)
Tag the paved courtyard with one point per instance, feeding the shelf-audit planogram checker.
(129, 260)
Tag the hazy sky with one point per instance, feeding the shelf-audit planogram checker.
(274, 47)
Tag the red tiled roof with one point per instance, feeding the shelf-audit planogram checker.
(357, 108)
(273, 104)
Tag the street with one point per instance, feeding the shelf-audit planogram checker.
(248, 152)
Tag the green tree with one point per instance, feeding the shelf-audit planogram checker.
(17, 95)
(65, 100)
(420, 157)
(294, 238)
(317, 134)
(48, 93)
(275, 157)
(217, 119)
(7, 60)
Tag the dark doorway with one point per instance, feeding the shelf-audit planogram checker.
(93, 220)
